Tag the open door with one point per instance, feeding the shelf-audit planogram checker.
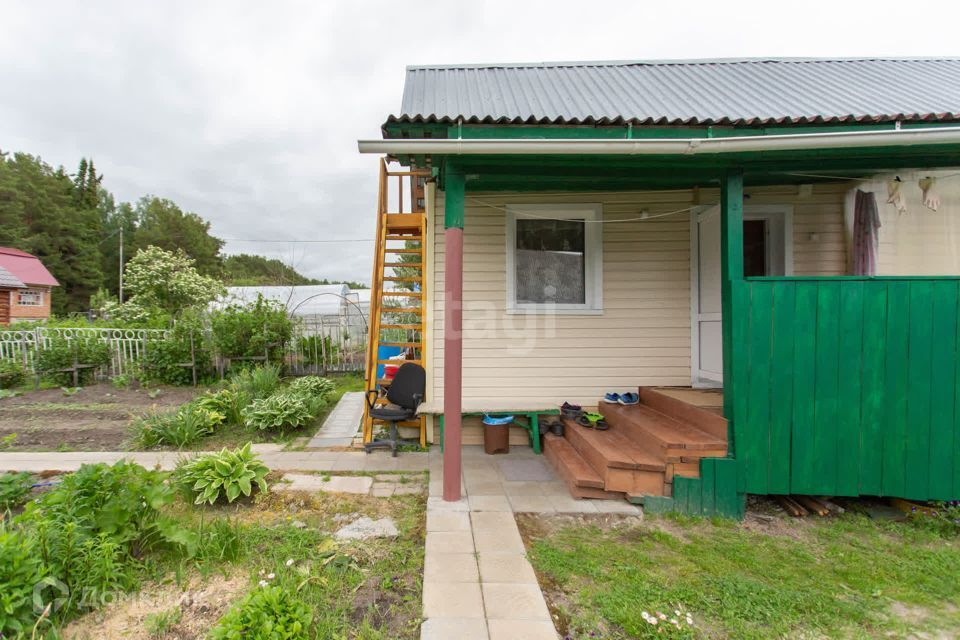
(767, 251)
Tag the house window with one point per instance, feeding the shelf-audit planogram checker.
(554, 259)
(30, 298)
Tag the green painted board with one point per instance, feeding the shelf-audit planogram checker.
(694, 496)
(849, 386)
(708, 504)
(872, 377)
(754, 450)
(802, 462)
(739, 368)
(895, 396)
(956, 416)
(919, 379)
(725, 488)
(781, 386)
(943, 367)
(826, 398)
(681, 488)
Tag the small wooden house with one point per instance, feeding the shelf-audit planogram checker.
(767, 248)
(25, 293)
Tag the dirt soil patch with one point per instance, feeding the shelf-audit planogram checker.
(200, 604)
(96, 418)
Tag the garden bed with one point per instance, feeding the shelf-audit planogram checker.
(838, 577)
(96, 418)
(153, 564)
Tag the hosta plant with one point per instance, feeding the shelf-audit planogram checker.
(268, 612)
(313, 385)
(184, 427)
(229, 474)
(280, 411)
(229, 401)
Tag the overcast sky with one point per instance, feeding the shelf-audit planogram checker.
(248, 113)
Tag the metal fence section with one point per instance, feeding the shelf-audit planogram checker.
(127, 346)
(324, 344)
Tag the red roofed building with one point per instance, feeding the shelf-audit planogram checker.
(25, 287)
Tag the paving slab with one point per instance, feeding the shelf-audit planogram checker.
(342, 424)
(331, 484)
(489, 503)
(525, 629)
(450, 567)
(520, 469)
(532, 504)
(449, 542)
(459, 628)
(448, 521)
(365, 528)
(506, 568)
(514, 602)
(452, 600)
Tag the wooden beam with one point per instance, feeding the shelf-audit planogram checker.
(731, 269)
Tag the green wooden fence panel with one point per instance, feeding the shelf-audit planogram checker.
(849, 387)
(943, 366)
(708, 504)
(842, 387)
(873, 376)
(919, 378)
(802, 462)
(825, 400)
(895, 394)
(756, 442)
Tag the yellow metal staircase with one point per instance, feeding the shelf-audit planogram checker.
(398, 285)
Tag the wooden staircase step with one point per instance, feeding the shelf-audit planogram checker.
(610, 449)
(563, 458)
(406, 237)
(569, 464)
(646, 426)
(412, 265)
(701, 418)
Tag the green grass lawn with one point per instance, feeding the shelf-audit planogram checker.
(843, 577)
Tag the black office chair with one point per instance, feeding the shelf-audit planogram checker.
(404, 394)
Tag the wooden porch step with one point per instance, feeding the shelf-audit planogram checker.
(569, 464)
(648, 427)
(610, 449)
(700, 417)
(579, 477)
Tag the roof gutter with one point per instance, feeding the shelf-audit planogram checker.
(672, 146)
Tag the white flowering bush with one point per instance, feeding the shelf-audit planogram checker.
(159, 280)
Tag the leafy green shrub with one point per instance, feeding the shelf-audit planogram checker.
(258, 382)
(165, 358)
(21, 568)
(12, 374)
(314, 385)
(250, 330)
(228, 473)
(280, 411)
(90, 529)
(180, 428)
(121, 501)
(229, 401)
(61, 353)
(14, 488)
(267, 612)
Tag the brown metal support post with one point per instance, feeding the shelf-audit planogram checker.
(453, 332)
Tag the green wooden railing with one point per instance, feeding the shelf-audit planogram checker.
(847, 386)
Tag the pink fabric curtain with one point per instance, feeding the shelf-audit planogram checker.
(866, 234)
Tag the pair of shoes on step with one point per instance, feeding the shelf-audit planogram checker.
(621, 398)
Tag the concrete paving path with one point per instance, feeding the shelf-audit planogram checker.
(477, 581)
(167, 460)
(342, 424)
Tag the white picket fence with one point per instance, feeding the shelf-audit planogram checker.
(127, 346)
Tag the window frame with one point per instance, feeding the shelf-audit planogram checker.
(592, 214)
(30, 291)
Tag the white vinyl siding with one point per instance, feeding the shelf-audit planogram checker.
(643, 334)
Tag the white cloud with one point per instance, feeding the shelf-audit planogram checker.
(248, 112)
